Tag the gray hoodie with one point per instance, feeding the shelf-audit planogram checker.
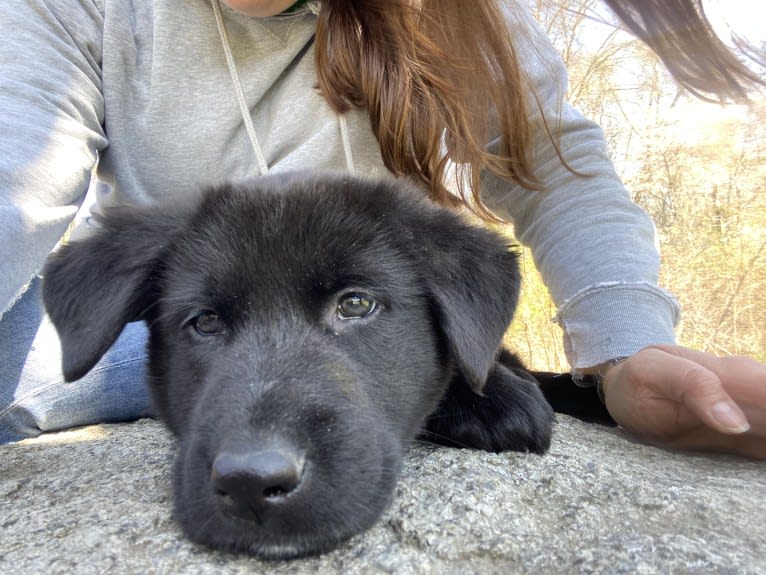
(139, 94)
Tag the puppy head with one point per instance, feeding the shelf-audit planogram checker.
(301, 330)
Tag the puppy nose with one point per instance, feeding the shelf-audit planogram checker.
(252, 480)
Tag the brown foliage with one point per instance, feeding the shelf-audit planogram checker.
(699, 169)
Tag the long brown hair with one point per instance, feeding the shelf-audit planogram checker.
(679, 32)
(437, 76)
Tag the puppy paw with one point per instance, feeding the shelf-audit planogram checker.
(512, 414)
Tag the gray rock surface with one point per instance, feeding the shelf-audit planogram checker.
(98, 500)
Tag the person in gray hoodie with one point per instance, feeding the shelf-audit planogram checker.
(139, 100)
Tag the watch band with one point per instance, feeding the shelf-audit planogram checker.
(597, 379)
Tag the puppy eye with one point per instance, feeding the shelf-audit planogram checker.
(355, 306)
(207, 323)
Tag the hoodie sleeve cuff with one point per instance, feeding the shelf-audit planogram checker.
(616, 319)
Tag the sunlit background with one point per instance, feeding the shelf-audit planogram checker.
(698, 168)
(746, 18)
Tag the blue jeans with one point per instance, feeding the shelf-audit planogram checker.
(33, 395)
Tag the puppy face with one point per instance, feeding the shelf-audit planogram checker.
(303, 335)
(301, 330)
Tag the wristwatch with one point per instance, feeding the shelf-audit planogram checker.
(597, 379)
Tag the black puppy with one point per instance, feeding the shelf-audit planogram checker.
(304, 329)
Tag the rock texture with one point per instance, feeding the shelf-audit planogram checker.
(98, 500)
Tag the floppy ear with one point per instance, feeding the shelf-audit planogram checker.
(92, 288)
(474, 280)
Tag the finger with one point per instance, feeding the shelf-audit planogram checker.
(703, 358)
(698, 388)
(733, 366)
(709, 440)
(743, 378)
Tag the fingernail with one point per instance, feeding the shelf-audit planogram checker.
(730, 417)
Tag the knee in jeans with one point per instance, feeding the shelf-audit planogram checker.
(17, 423)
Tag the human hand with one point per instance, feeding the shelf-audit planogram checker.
(681, 398)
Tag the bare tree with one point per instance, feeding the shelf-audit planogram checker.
(702, 182)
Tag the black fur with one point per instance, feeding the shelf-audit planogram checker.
(292, 413)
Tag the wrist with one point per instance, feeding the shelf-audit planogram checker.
(596, 376)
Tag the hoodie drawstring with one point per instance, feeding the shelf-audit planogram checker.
(346, 144)
(263, 167)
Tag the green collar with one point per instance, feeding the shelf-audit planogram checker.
(299, 4)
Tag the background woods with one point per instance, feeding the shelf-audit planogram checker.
(698, 168)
